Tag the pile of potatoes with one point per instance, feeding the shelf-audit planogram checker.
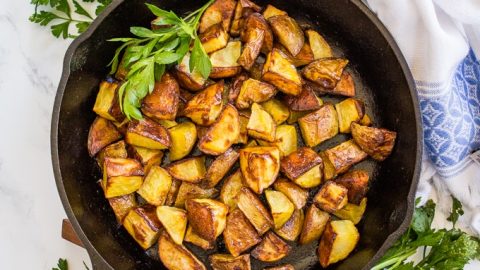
(223, 156)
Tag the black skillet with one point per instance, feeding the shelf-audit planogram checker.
(383, 81)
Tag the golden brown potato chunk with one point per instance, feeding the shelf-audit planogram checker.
(172, 193)
(221, 11)
(188, 191)
(225, 61)
(304, 57)
(331, 197)
(277, 110)
(219, 167)
(315, 222)
(243, 136)
(106, 104)
(143, 225)
(177, 257)
(280, 207)
(148, 157)
(162, 102)
(295, 116)
(254, 91)
(356, 182)
(214, 38)
(311, 178)
(319, 126)
(352, 211)
(206, 106)
(193, 238)
(366, 120)
(122, 205)
(293, 227)
(299, 162)
(230, 189)
(344, 87)
(229, 262)
(256, 21)
(320, 47)
(102, 133)
(305, 101)
(237, 83)
(281, 267)
(115, 150)
(340, 158)
(349, 111)
(260, 166)
(338, 241)
(271, 11)
(271, 249)
(222, 134)
(254, 210)
(288, 33)
(184, 136)
(325, 72)
(285, 140)
(174, 221)
(191, 80)
(253, 44)
(190, 169)
(156, 186)
(147, 133)
(121, 176)
(376, 142)
(242, 10)
(280, 72)
(261, 125)
(207, 217)
(297, 195)
(239, 235)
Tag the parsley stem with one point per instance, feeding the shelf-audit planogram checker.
(395, 261)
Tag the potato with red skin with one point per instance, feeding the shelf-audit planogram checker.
(102, 133)
(239, 235)
(271, 249)
(376, 142)
(162, 102)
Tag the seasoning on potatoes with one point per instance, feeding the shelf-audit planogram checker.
(315, 222)
(106, 104)
(254, 91)
(340, 158)
(325, 72)
(183, 136)
(338, 241)
(207, 217)
(319, 126)
(188, 191)
(230, 189)
(143, 225)
(271, 249)
(260, 166)
(121, 176)
(102, 133)
(220, 167)
(177, 257)
(254, 210)
(156, 186)
(206, 106)
(356, 182)
(376, 142)
(260, 124)
(147, 133)
(239, 234)
(190, 169)
(174, 221)
(229, 262)
(280, 207)
(293, 227)
(194, 238)
(349, 111)
(331, 197)
(297, 195)
(162, 102)
(279, 72)
(225, 61)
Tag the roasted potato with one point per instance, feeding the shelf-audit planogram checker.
(277, 110)
(230, 189)
(207, 217)
(229, 262)
(297, 195)
(281, 73)
(340, 158)
(115, 150)
(177, 257)
(285, 140)
(254, 210)
(225, 61)
(281, 267)
(206, 106)
(261, 124)
(243, 135)
(214, 38)
(184, 136)
(172, 193)
(299, 162)
(251, 48)
(167, 123)
(102, 133)
(174, 221)
(251, 143)
(366, 120)
(349, 111)
(188, 191)
(143, 225)
(319, 126)
(356, 182)
(254, 91)
(239, 235)
(293, 227)
(148, 157)
(257, 21)
(106, 104)
(190, 169)
(222, 134)
(352, 211)
(121, 176)
(122, 205)
(305, 101)
(344, 87)
(271, 249)
(260, 166)
(280, 207)
(271, 11)
(237, 83)
(338, 241)
(193, 238)
(315, 222)
(320, 47)
(147, 133)
(162, 102)
(242, 9)
(156, 186)
(255, 71)
(304, 57)
(288, 33)
(311, 178)
(376, 142)
(325, 72)
(191, 80)
(221, 11)
(331, 197)
(219, 167)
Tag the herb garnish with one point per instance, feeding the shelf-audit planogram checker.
(61, 265)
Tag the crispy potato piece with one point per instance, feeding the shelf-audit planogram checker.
(338, 241)
(254, 91)
(156, 185)
(293, 227)
(190, 169)
(277, 110)
(356, 182)
(192, 237)
(251, 143)
(326, 72)
(106, 104)
(122, 126)
(229, 262)
(315, 222)
(319, 126)
(252, 46)
(221, 11)
(143, 225)
(188, 191)
(320, 47)
(162, 102)
(260, 166)
(280, 72)
(214, 38)
(177, 257)
(304, 57)
(271, 11)
(261, 124)
(257, 21)
(295, 116)
(148, 157)
(352, 211)
(234, 91)
(299, 162)
(174, 221)
(254, 210)
(122, 205)
(243, 135)
(222, 134)
(167, 123)
(115, 150)
(349, 111)
(184, 136)
(102, 133)
(288, 33)
(172, 193)
(255, 71)
(206, 106)
(239, 235)
(344, 87)
(311, 178)
(191, 80)
(376, 142)
(271, 249)
(230, 189)
(207, 217)
(242, 10)
(366, 120)
(297, 195)
(219, 167)
(285, 140)
(224, 61)
(280, 206)
(121, 176)
(331, 197)
(147, 133)
(281, 267)
(305, 101)
(340, 158)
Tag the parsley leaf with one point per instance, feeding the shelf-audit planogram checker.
(457, 211)
(61, 265)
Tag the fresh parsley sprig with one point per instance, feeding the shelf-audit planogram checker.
(151, 52)
(61, 265)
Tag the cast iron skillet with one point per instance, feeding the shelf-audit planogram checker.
(382, 80)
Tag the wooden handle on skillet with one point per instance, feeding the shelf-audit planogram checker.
(69, 234)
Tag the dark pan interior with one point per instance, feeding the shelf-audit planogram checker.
(382, 81)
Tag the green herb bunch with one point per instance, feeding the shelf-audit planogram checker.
(151, 52)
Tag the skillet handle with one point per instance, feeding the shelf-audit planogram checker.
(97, 262)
